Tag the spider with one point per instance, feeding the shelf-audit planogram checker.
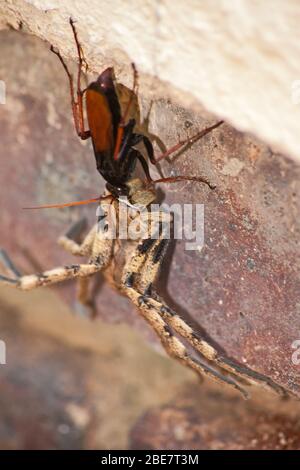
(131, 266)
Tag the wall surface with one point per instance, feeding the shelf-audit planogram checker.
(240, 59)
(242, 288)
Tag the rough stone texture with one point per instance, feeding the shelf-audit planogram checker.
(240, 59)
(70, 385)
(210, 420)
(243, 287)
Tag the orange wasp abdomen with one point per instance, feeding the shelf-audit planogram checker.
(100, 121)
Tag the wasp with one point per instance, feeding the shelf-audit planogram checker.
(131, 266)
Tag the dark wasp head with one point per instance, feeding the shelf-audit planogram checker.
(117, 191)
(106, 80)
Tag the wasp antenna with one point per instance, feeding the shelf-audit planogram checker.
(70, 204)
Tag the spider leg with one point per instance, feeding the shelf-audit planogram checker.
(153, 245)
(173, 346)
(210, 352)
(138, 279)
(62, 273)
(198, 341)
(69, 244)
(207, 350)
(76, 230)
(83, 291)
(96, 245)
(85, 303)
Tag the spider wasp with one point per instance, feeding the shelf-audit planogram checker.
(131, 267)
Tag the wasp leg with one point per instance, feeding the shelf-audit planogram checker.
(83, 134)
(187, 141)
(77, 105)
(80, 55)
(177, 179)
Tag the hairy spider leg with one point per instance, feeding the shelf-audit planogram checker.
(97, 246)
(138, 280)
(137, 286)
(139, 275)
